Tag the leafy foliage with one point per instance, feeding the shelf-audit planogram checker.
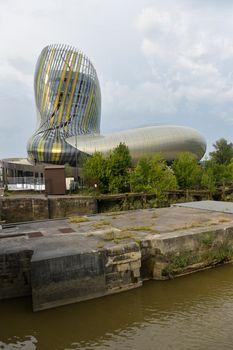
(215, 174)
(110, 174)
(187, 171)
(153, 175)
(95, 171)
(139, 178)
(223, 152)
(115, 174)
(118, 166)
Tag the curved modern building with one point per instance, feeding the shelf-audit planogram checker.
(68, 103)
(168, 140)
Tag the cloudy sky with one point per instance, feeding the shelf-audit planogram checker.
(158, 61)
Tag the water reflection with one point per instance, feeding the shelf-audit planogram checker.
(193, 312)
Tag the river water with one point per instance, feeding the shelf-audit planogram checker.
(191, 312)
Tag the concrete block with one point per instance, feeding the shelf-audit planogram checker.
(135, 265)
(136, 273)
(123, 267)
(66, 279)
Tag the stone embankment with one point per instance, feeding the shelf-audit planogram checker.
(64, 261)
(19, 208)
(27, 208)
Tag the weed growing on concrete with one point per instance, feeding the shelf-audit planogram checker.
(223, 253)
(138, 241)
(222, 220)
(140, 228)
(77, 219)
(194, 224)
(100, 245)
(113, 212)
(102, 223)
(135, 204)
(177, 263)
(219, 220)
(207, 239)
(90, 235)
(187, 226)
(115, 236)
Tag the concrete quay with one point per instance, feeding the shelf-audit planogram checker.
(83, 257)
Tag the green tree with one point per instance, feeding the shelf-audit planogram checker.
(119, 164)
(187, 170)
(68, 170)
(216, 175)
(161, 178)
(139, 177)
(153, 175)
(223, 152)
(95, 172)
(208, 178)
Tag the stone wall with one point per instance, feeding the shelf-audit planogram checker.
(23, 209)
(173, 255)
(15, 274)
(67, 279)
(60, 207)
(15, 209)
(63, 269)
(122, 267)
(42, 208)
(60, 280)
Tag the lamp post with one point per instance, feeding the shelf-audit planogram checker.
(34, 174)
(76, 159)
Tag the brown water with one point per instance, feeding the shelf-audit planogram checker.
(193, 312)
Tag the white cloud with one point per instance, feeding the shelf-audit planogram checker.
(170, 62)
(144, 98)
(10, 73)
(187, 52)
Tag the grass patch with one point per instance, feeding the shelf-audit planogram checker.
(102, 223)
(177, 263)
(219, 220)
(115, 236)
(194, 224)
(135, 204)
(218, 253)
(100, 245)
(140, 228)
(207, 239)
(77, 219)
(90, 235)
(138, 241)
(223, 253)
(113, 213)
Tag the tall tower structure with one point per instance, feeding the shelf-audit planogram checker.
(68, 103)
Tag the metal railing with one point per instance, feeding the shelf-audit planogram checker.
(25, 183)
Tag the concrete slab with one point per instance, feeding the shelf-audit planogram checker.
(105, 229)
(79, 258)
(220, 206)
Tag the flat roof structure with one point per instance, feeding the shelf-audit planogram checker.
(220, 206)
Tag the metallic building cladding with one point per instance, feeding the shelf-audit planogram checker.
(68, 103)
(168, 140)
